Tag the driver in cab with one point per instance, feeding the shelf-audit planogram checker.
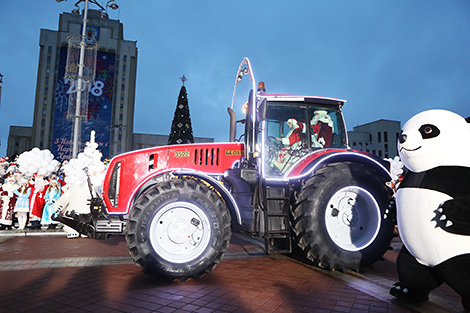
(294, 134)
(292, 141)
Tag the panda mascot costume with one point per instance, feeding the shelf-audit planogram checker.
(433, 206)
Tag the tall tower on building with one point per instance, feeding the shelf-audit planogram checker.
(112, 96)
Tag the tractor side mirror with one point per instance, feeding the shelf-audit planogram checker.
(262, 110)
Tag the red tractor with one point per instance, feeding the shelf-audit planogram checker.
(291, 179)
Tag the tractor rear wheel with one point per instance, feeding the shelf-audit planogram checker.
(179, 229)
(338, 217)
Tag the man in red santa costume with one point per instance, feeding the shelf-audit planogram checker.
(292, 141)
(8, 200)
(322, 129)
(36, 201)
(294, 134)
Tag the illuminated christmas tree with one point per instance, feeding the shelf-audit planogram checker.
(181, 130)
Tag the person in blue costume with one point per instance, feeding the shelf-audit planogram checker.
(53, 193)
(22, 203)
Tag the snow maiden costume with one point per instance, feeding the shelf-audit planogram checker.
(53, 193)
(22, 203)
(433, 206)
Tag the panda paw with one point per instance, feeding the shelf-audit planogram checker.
(452, 219)
(403, 293)
(390, 213)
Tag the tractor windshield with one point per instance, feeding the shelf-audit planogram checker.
(292, 130)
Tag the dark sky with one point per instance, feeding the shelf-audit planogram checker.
(388, 59)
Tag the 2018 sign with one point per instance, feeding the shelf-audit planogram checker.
(96, 89)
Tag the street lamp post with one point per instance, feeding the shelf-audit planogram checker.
(77, 116)
(76, 127)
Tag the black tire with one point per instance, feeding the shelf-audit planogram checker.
(178, 229)
(334, 230)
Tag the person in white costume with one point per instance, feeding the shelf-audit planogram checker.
(22, 203)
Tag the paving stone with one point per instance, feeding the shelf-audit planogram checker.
(85, 275)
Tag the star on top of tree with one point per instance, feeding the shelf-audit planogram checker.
(183, 79)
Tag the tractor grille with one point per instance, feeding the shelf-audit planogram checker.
(208, 156)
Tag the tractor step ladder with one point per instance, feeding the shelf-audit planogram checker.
(276, 206)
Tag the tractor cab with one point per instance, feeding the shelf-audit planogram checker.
(292, 127)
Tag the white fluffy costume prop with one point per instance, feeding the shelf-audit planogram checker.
(75, 200)
(433, 206)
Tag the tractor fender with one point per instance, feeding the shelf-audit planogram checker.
(226, 195)
(167, 174)
(314, 161)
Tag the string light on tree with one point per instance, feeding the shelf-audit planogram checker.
(181, 129)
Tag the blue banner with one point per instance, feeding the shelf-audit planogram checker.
(99, 108)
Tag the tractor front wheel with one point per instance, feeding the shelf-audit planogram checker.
(178, 229)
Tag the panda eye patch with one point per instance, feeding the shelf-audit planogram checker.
(429, 131)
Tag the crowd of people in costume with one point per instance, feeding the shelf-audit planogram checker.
(33, 186)
(28, 201)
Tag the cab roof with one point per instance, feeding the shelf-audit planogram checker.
(303, 98)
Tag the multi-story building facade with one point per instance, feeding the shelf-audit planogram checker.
(379, 138)
(112, 96)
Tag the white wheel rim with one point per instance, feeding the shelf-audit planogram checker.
(352, 218)
(180, 232)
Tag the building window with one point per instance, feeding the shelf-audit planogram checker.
(379, 136)
(380, 153)
(386, 147)
(370, 137)
(354, 143)
(385, 136)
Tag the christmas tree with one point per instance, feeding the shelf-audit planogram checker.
(181, 130)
